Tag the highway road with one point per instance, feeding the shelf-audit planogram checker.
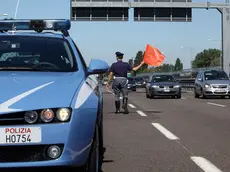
(167, 135)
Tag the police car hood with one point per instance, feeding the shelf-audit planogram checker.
(22, 91)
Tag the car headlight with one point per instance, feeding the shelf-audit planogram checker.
(207, 86)
(31, 117)
(144, 82)
(63, 114)
(155, 86)
(176, 86)
(47, 115)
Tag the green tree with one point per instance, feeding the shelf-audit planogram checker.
(138, 59)
(164, 68)
(207, 58)
(178, 65)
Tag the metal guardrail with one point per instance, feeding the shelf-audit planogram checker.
(186, 84)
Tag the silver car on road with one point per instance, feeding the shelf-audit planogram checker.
(212, 83)
(163, 85)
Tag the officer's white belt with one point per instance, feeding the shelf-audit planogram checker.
(118, 77)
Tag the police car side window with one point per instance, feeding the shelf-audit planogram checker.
(80, 55)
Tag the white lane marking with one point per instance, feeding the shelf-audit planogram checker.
(141, 113)
(183, 98)
(132, 106)
(4, 107)
(214, 104)
(165, 132)
(204, 164)
(84, 93)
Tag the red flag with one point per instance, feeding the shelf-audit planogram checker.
(152, 56)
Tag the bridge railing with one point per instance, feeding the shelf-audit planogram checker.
(187, 84)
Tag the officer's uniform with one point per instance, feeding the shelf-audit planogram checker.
(120, 70)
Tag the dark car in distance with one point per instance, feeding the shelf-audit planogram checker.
(163, 85)
(131, 84)
(140, 82)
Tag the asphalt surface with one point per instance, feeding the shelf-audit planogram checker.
(167, 135)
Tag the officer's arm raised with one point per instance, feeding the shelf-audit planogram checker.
(138, 67)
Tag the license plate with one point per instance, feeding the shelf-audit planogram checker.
(219, 90)
(166, 89)
(20, 135)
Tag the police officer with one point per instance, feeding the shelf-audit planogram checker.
(119, 70)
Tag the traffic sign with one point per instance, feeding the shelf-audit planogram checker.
(99, 14)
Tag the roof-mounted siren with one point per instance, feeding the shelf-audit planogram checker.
(62, 25)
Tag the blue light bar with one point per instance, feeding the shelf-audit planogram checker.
(38, 25)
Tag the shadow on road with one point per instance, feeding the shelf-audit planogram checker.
(153, 111)
(121, 113)
(103, 161)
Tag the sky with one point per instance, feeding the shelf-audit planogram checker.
(102, 39)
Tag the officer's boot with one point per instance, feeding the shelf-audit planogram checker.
(125, 105)
(117, 104)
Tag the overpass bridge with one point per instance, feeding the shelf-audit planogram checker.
(152, 11)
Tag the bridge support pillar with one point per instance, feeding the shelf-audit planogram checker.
(225, 61)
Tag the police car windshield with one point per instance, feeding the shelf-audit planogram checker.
(215, 75)
(36, 54)
(163, 78)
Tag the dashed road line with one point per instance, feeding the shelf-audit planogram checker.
(165, 132)
(141, 113)
(204, 164)
(214, 104)
(183, 98)
(132, 106)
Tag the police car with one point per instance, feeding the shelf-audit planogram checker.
(50, 102)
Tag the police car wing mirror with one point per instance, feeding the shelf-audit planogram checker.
(97, 66)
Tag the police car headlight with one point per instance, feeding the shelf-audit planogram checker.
(31, 117)
(47, 115)
(63, 114)
(155, 86)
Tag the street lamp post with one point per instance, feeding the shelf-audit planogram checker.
(190, 52)
(221, 54)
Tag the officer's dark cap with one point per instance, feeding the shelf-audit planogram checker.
(119, 54)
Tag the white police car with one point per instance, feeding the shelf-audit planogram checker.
(50, 103)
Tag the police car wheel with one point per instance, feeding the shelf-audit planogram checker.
(93, 161)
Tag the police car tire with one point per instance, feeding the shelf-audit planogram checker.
(101, 141)
(94, 154)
